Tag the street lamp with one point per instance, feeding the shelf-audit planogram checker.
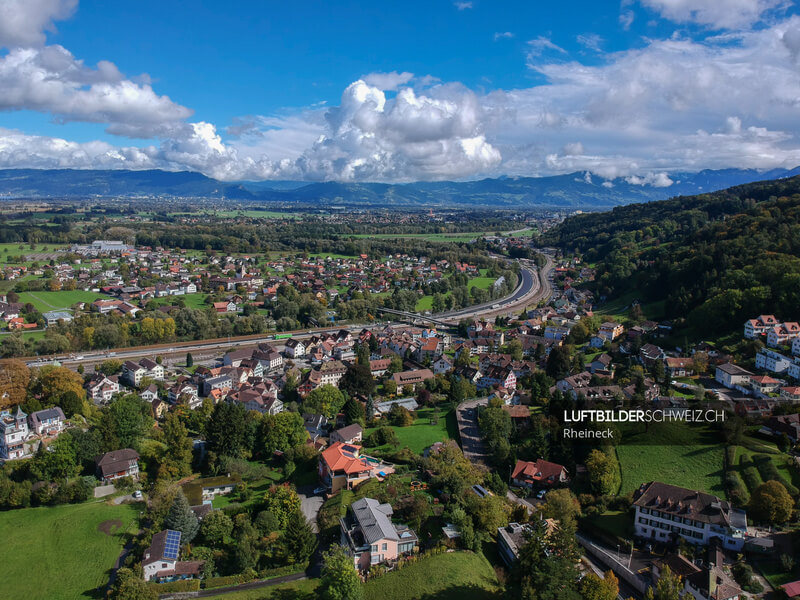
(617, 552)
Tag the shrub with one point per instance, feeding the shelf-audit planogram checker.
(769, 472)
(749, 473)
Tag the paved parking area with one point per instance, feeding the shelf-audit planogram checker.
(310, 505)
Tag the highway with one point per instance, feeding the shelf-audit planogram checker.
(534, 286)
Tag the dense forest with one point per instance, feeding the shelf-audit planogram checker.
(717, 259)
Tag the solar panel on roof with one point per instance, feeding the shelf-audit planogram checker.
(172, 545)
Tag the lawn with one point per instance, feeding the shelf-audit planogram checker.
(452, 576)
(47, 301)
(614, 523)
(305, 589)
(196, 301)
(60, 552)
(684, 454)
(423, 433)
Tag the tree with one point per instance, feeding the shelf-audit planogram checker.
(514, 348)
(123, 422)
(281, 432)
(545, 569)
(771, 503)
(603, 470)
(282, 501)
(14, 379)
(177, 460)
(558, 363)
(400, 416)
(70, 403)
(299, 538)
(326, 399)
(339, 579)
(50, 383)
(594, 587)
(56, 461)
(358, 379)
(390, 387)
(563, 506)
(129, 586)
(228, 430)
(189, 360)
(668, 587)
(353, 411)
(110, 366)
(216, 527)
(181, 518)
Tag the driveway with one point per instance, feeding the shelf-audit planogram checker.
(310, 504)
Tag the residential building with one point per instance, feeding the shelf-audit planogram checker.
(13, 431)
(790, 394)
(610, 331)
(160, 560)
(665, 512)
(351, 434)
(731, 376)
(412, 377)
(341, 466)
(370, 537)
(679, 366)
(540, 473)
(54, 316)
(772, 361)
(759, 326)
(782, 333)
(118, 463)
(48, 422)
(102, 388)
(295, 348)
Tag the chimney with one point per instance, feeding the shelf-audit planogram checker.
(712, 581)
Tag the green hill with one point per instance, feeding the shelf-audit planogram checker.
(717, 259)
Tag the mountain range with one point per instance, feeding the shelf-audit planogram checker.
(571, 191)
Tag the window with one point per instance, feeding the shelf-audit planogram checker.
(384, 548)
(374, 548)
(645, 511)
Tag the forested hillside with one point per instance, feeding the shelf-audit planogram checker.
(716, 258)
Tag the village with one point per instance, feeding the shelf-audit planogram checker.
(397, 442)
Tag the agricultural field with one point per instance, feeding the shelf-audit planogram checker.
(15, 249)
(37, 539)
(684, 454)
(463, 236)
(423, 432)
(47, 301)
(452, 576)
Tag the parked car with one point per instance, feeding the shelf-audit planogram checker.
(320, 490)
(541, 494)
(138, 494)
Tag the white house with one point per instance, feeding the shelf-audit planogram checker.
(772, 361)
(49, 421)
(666, 512)
(13, 431)
(295, 348)
(731, 375)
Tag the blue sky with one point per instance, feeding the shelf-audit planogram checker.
(400, 91)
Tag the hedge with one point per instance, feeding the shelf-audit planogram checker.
(769, 472)
(749, 473)
(187, 585)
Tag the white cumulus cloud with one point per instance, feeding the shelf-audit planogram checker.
(23, 22)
